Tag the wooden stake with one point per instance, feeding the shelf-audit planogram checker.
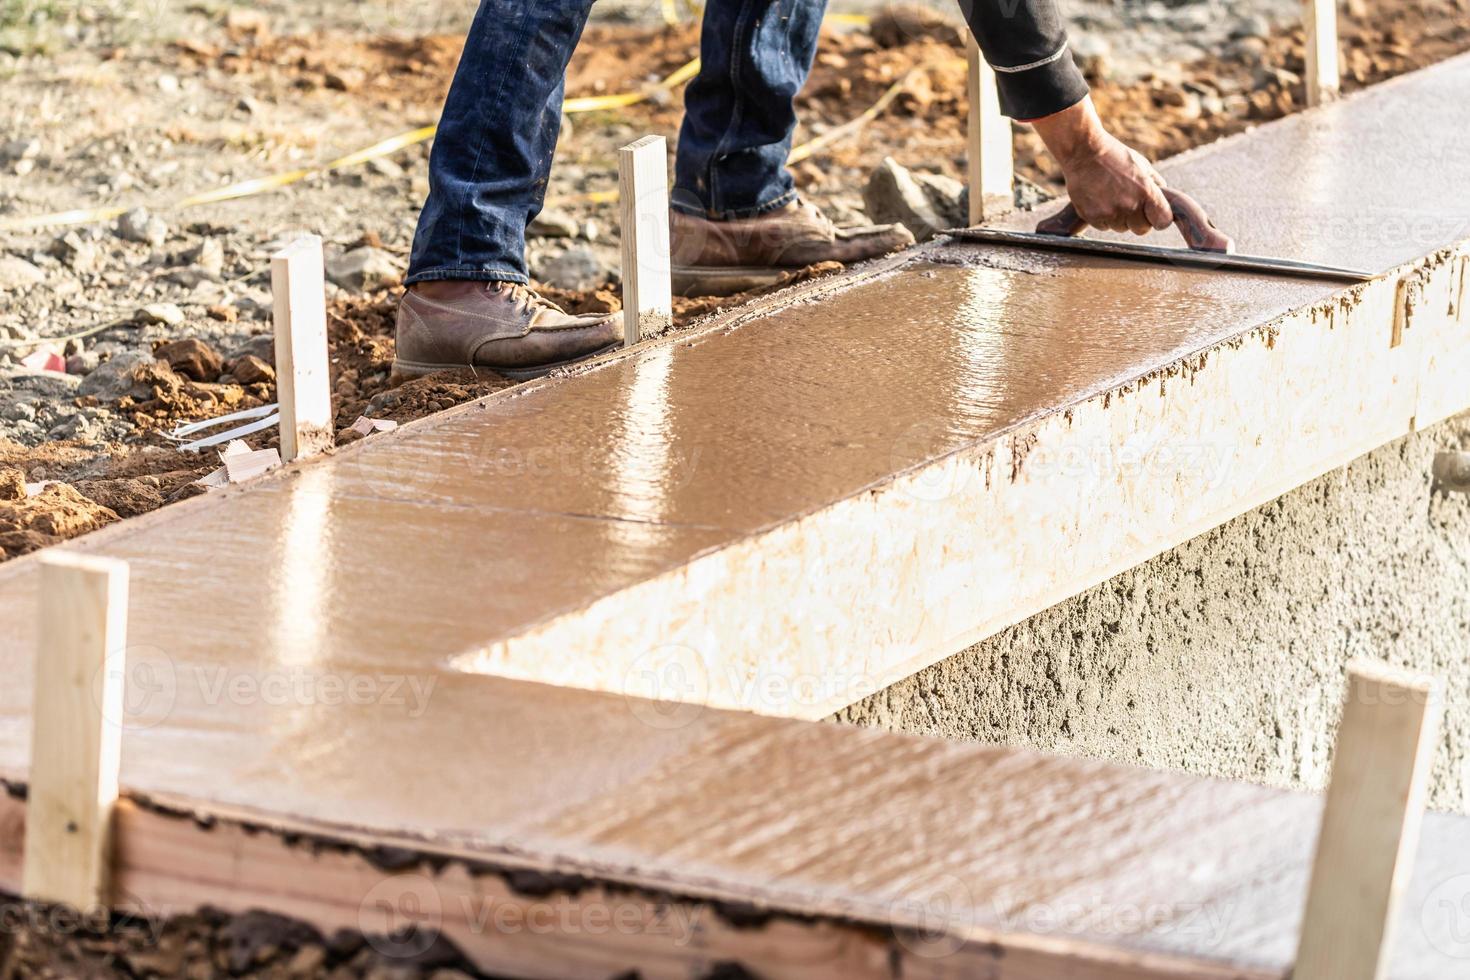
(1322, 80)
(76, 733)
(303, 381)
(989, 157)
(1370, 825)
(643, 188)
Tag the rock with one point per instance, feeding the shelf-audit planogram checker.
(1252, 25)
(131, 374)
(346, 79)
(12, 485)
(251, 370)
(82, 363)
(139, 226)
(925, 207)
(165, 313)
(897, 24)
(21, 149)
(579, 267)
(192, 358)
(365, 269)
(18, 412)
(79, 428)
(262, 345)
(384, 167)
(209, 256)
(242, 23)
(553, 224)
(76, 253)
(17, 273)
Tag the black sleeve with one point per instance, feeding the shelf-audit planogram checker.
(1025, 41)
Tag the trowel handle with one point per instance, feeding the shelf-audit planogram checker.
(1198, 230)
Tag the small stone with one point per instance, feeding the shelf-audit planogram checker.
(208, 255)
(242, 23)
(346, 79)
(12, 485)
(553, 224)
(76, 253)
(21, 149)
(251, 370)
(83, 363)
(165, 313)
(139, 226)
(579, 267)
(17, 273)
(191, 357)
(130, 374)
(168, 84)
(307, 961)
(894, 195)
(262, 345)
(364, 270)
(384, 167)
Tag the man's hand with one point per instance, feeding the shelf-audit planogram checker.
(1112, 186)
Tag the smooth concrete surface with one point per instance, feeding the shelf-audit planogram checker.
(1226, 656)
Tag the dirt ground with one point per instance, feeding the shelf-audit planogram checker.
(216, 358)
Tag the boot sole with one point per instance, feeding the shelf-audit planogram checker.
(404, 370)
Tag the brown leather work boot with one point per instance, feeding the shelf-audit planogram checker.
(498, 326)
(719, 258)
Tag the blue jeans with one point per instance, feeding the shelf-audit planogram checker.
(491, 160)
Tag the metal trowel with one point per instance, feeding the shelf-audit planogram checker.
(1208, 247)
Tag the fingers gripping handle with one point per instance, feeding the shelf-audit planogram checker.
(1198, 230)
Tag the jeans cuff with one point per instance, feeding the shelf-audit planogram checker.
(733, 214)
(467, 275)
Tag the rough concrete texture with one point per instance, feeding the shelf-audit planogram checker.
(1227, 655)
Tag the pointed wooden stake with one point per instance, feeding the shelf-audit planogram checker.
(990, 163)
(76, 730)
(303, 380)
(1322, 80)
(1370, 825)
(643, 193)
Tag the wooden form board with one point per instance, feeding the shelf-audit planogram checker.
(303, 377)
(1370, 827)
(1323, 80)
(643, 196)
(76, 733)
(989, 155)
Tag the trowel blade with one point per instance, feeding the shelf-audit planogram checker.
(1161, 254)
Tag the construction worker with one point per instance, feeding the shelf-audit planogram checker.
(735, 213)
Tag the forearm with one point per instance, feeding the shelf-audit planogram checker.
(1025, 41)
